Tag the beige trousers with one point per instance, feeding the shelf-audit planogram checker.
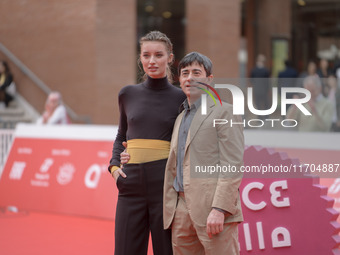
(189, 238)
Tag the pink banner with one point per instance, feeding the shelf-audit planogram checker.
(63, 176)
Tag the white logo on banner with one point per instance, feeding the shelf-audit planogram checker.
(46, 165)
(24, 150)
(61, 152)
(42, 177)
(93, 174)
(65, 174)
(17, 170)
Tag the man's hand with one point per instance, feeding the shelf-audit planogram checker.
(124, 156)
(215, 222)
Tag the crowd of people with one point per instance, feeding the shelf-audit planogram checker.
(322, 82)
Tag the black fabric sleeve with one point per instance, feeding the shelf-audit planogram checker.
(121, 135)
(7, 82)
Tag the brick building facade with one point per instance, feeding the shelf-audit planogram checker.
(87, 49)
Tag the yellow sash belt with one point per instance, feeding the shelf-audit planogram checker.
(147, 150)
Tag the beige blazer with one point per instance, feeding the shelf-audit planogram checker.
(206, 146)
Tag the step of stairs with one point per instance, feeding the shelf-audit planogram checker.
(13, 114)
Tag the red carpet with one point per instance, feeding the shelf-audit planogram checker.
(36, 233)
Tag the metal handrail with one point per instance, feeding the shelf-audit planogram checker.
(23, 68)
(6, 139)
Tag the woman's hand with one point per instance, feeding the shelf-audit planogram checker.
(117, 173)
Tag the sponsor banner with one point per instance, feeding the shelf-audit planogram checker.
(60, 175)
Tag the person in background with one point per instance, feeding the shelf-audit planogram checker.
(336, 69)
(333, 94)
(324, 72)
(289, 71)
(321, 109)
(311, 71)
(337, 94)
(287, 78)
(6, 84)
(55, 112)
(259, 78)
(147, 114)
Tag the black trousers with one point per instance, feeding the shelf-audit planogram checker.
(140, 210)
(5, 97)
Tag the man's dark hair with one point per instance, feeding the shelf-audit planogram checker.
(288, 63)
(195, 57)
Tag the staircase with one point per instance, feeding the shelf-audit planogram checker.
(18, 111)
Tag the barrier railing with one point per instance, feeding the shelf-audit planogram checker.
(6, 139)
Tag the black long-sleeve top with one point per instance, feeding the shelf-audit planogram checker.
(7, 82)
(147, 111)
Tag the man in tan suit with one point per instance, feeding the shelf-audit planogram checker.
(201, 202)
